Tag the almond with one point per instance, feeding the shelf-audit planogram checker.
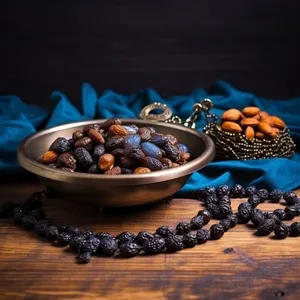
(117, 130)
(249, 133)
(141, 170)
(249, 122)
(259, 135)
(265, 128)
(263, 114)
(96, 136)
(278, 123)
(49, 156)
(106, 162)
(231, 115)
(250, 111)
(269, 120)
(275, 132)
(231, 127)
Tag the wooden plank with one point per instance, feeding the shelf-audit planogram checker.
(256, 268)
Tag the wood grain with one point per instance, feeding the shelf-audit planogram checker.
(256, 267)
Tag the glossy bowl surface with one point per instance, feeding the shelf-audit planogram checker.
(115, 190)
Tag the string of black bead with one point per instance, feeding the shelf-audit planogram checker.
(86, 244)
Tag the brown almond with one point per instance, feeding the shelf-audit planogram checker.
(257, 117)
(265, 128)
(275, 132)
(141, 170)
(106, 162)
(269, 120)
(259, 135)
(231, 115)
(49, 156)
(249, 133)
(231, 127)
(96, 136)
(110, 122)
(117, 130)
(263, 115)
(250, 111)
(113, 171)
(249, 122)
(184, 157)
(278, 123)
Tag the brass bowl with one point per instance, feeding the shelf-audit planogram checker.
(115, 190)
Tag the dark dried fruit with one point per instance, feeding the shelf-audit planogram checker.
(266, 228)
(108, 246)
(84, 158)
(190, 240)
(124, 237)
(183, 227)
(66, 160)
(40, 227)
(250, 190)
(143, 236)
(208, 191)
(64, 238)
(18, 214)
(275, 195)
(158, 140)
(225, 209)
(225, 199)
(113, 171)
(280, 213)
(216, 231)
(165, 231)
(84, 258)
(154, 246)
(118, 152)
(254, 200)
(93, 169)
(77, 242)
(281, 231)
(215, 211)
(77, 135)
(237, 191)
(152, 163)
(128, 163)
(62, 228)
(263, 194)
(167, 163)
(74, 230)
(270, 215)
(172, 139)
(206, 215)
(151, 150)
(182, 148)
(135, 153)
(174, 243)
(103, 235)
(132, 140)
(114, 142)
(290, 212)
(60, 145)
(98, 151)
(197, 222)
(86, 234)
(144, 133)
(226, 224)
(244, 211)
(257, 217)
(51, 233)
(223, 190)
(91, 245)
(86, 143)
(129, 249)
(28, 221)
(110, 122)
(290, 197)
(212, 199)
(126, 171)
(233, 220)
(37, 213)
(295, 229)
(172, 152)
(203, 235)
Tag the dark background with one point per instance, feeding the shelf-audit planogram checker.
(172, 46)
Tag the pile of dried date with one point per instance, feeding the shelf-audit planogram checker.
(112, 148)
(85, 243)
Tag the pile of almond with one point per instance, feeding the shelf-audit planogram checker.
(252, 122)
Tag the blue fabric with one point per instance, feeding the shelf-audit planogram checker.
(18, 120)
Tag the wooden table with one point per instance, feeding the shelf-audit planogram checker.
(239, 266)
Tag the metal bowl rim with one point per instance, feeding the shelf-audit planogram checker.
(124, 179)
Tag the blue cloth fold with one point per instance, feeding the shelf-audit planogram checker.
(18, 120)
